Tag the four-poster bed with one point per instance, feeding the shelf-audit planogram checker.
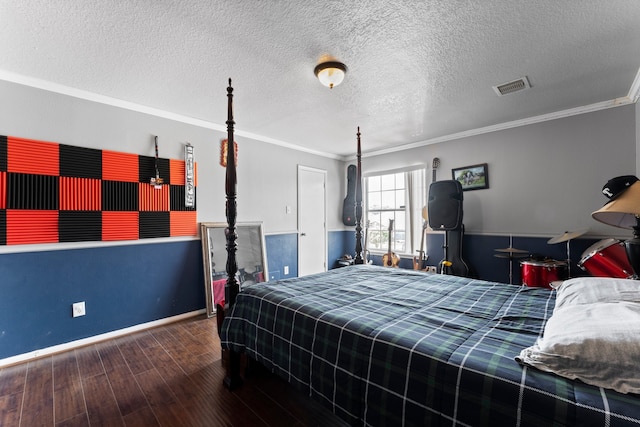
(388, 346)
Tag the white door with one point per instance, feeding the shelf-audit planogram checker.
(312, 230)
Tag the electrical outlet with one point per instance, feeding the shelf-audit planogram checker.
(431, 268)
(286, 270)
(78, 309)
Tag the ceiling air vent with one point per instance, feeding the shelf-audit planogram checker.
(511, 87)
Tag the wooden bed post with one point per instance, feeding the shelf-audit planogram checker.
(359, 258)
(232, 380)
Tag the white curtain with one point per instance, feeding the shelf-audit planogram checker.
(417, 199)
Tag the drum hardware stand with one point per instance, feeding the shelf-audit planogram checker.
(511, 254)
(567, 236)
(511, 260)
(569, 259)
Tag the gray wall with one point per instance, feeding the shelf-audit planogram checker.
(266, 172)
(544, 178)
(637, 137)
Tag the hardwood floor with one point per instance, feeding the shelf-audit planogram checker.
(166, 376)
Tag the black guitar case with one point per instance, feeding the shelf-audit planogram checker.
(349, 204)
(458, 265)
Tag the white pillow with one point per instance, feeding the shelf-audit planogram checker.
(597, 343)
(587, 290)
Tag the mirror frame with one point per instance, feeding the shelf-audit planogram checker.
(250, 254)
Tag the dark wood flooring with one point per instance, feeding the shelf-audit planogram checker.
(166, 376)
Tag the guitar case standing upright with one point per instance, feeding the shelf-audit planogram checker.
(349, 204)
(445, 213)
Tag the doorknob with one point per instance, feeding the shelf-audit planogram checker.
(303, 234)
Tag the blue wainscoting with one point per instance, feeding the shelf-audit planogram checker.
(122, 286)
(479, 254)
(340, 243)
(282, 250)
(480, 251)
(129, 285)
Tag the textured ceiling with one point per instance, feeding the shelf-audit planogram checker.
(419, 71)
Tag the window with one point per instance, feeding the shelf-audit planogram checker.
(398, 196)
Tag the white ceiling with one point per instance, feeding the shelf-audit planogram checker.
(420, 71)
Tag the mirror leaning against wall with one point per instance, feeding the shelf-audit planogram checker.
(250, 256)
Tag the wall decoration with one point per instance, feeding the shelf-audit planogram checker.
(156, 181)
(224, 149)
(251, 257)
(189, 186)
(52, 193)
(473, 177)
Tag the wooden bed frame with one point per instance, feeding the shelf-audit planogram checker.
(454, 388)
(232, 379)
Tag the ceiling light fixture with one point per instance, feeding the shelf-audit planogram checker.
(330, 73)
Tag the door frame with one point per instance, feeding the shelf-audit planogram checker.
(324, 196)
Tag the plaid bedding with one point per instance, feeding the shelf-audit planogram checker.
(392, 347)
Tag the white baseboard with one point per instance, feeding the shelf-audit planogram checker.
(94, 339)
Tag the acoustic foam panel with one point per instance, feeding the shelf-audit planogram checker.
(80, 226)
(28, 191)
(120, 226)
(80, 194)
(3, 227)
(3, 190)
(3, 153)
(183, 223)
(31, 226)
(119, 196)
(119, 166)
(176, 198)
(151, 198)
(147, 169)
(176, 172)
(32, 157)
(80, 162)
(154, 224)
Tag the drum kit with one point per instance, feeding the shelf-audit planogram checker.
(606, 258)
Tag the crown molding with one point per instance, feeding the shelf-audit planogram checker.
(114, 102)
(618, 102)
(634, 91)
(631, 98)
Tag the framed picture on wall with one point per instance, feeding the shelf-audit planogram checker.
(250, 257)
(474, 177)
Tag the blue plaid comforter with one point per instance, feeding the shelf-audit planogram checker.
(391, 347)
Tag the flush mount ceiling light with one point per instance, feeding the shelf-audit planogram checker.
(330, 73)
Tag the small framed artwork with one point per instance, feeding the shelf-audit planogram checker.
(474, 177)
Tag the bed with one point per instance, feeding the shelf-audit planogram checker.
(384, 346)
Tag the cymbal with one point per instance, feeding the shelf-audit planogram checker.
(512, 255)
(512, 250)
(567, 235)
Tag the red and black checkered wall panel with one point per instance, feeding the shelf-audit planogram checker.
(53, 192)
